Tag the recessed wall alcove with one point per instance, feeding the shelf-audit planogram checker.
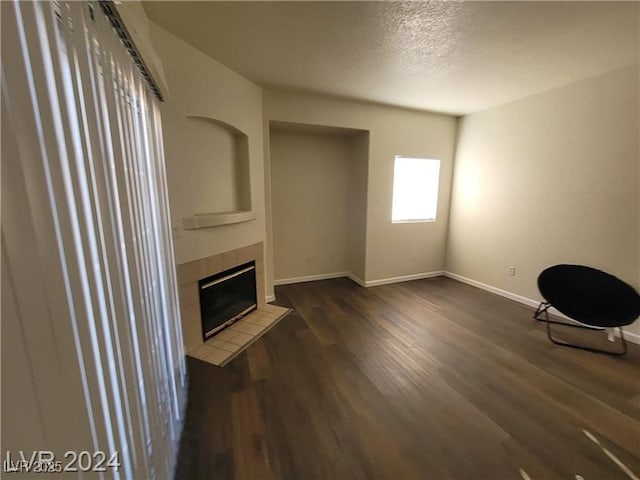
(223, 156)
(318, 191)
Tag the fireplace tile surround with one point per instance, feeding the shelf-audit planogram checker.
(190, 273)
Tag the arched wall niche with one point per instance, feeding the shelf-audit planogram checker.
(224, 157)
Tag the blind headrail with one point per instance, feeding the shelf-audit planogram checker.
(109, 9)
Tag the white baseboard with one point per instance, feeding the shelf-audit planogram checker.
(632, 337)
(403, 278)
(310, 278)
(270, 298)
(503, 293)
(358, 280)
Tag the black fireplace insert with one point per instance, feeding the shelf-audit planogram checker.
(227, 297)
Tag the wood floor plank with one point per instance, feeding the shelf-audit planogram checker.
(251, 459)
(430, 379)
(259, 363)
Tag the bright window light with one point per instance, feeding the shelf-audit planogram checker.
(415, 189)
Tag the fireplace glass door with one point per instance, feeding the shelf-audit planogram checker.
(227, 297)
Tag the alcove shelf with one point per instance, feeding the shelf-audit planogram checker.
(215, 219)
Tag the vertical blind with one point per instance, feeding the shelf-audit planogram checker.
(86, 238)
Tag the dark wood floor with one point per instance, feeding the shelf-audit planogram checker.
(430, 379)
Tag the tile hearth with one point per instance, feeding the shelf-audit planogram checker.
(233, 340)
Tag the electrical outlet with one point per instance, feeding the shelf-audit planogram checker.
(511, 271)
(175, 232)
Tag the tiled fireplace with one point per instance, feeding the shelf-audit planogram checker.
(190, 273)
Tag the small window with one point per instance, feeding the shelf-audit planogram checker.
(415, 189)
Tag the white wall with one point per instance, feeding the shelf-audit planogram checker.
(551, 178)
(392, 250)
(310, 195)
(197, 154)
(357, 219)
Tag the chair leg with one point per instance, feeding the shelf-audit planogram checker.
(542, 308)
(581, 347)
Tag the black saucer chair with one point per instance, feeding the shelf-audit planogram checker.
(589, 296)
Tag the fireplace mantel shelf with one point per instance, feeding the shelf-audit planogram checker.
(215, 219)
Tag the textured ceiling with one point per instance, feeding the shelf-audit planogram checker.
(452, 57)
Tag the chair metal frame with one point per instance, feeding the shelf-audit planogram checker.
(544, 307)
